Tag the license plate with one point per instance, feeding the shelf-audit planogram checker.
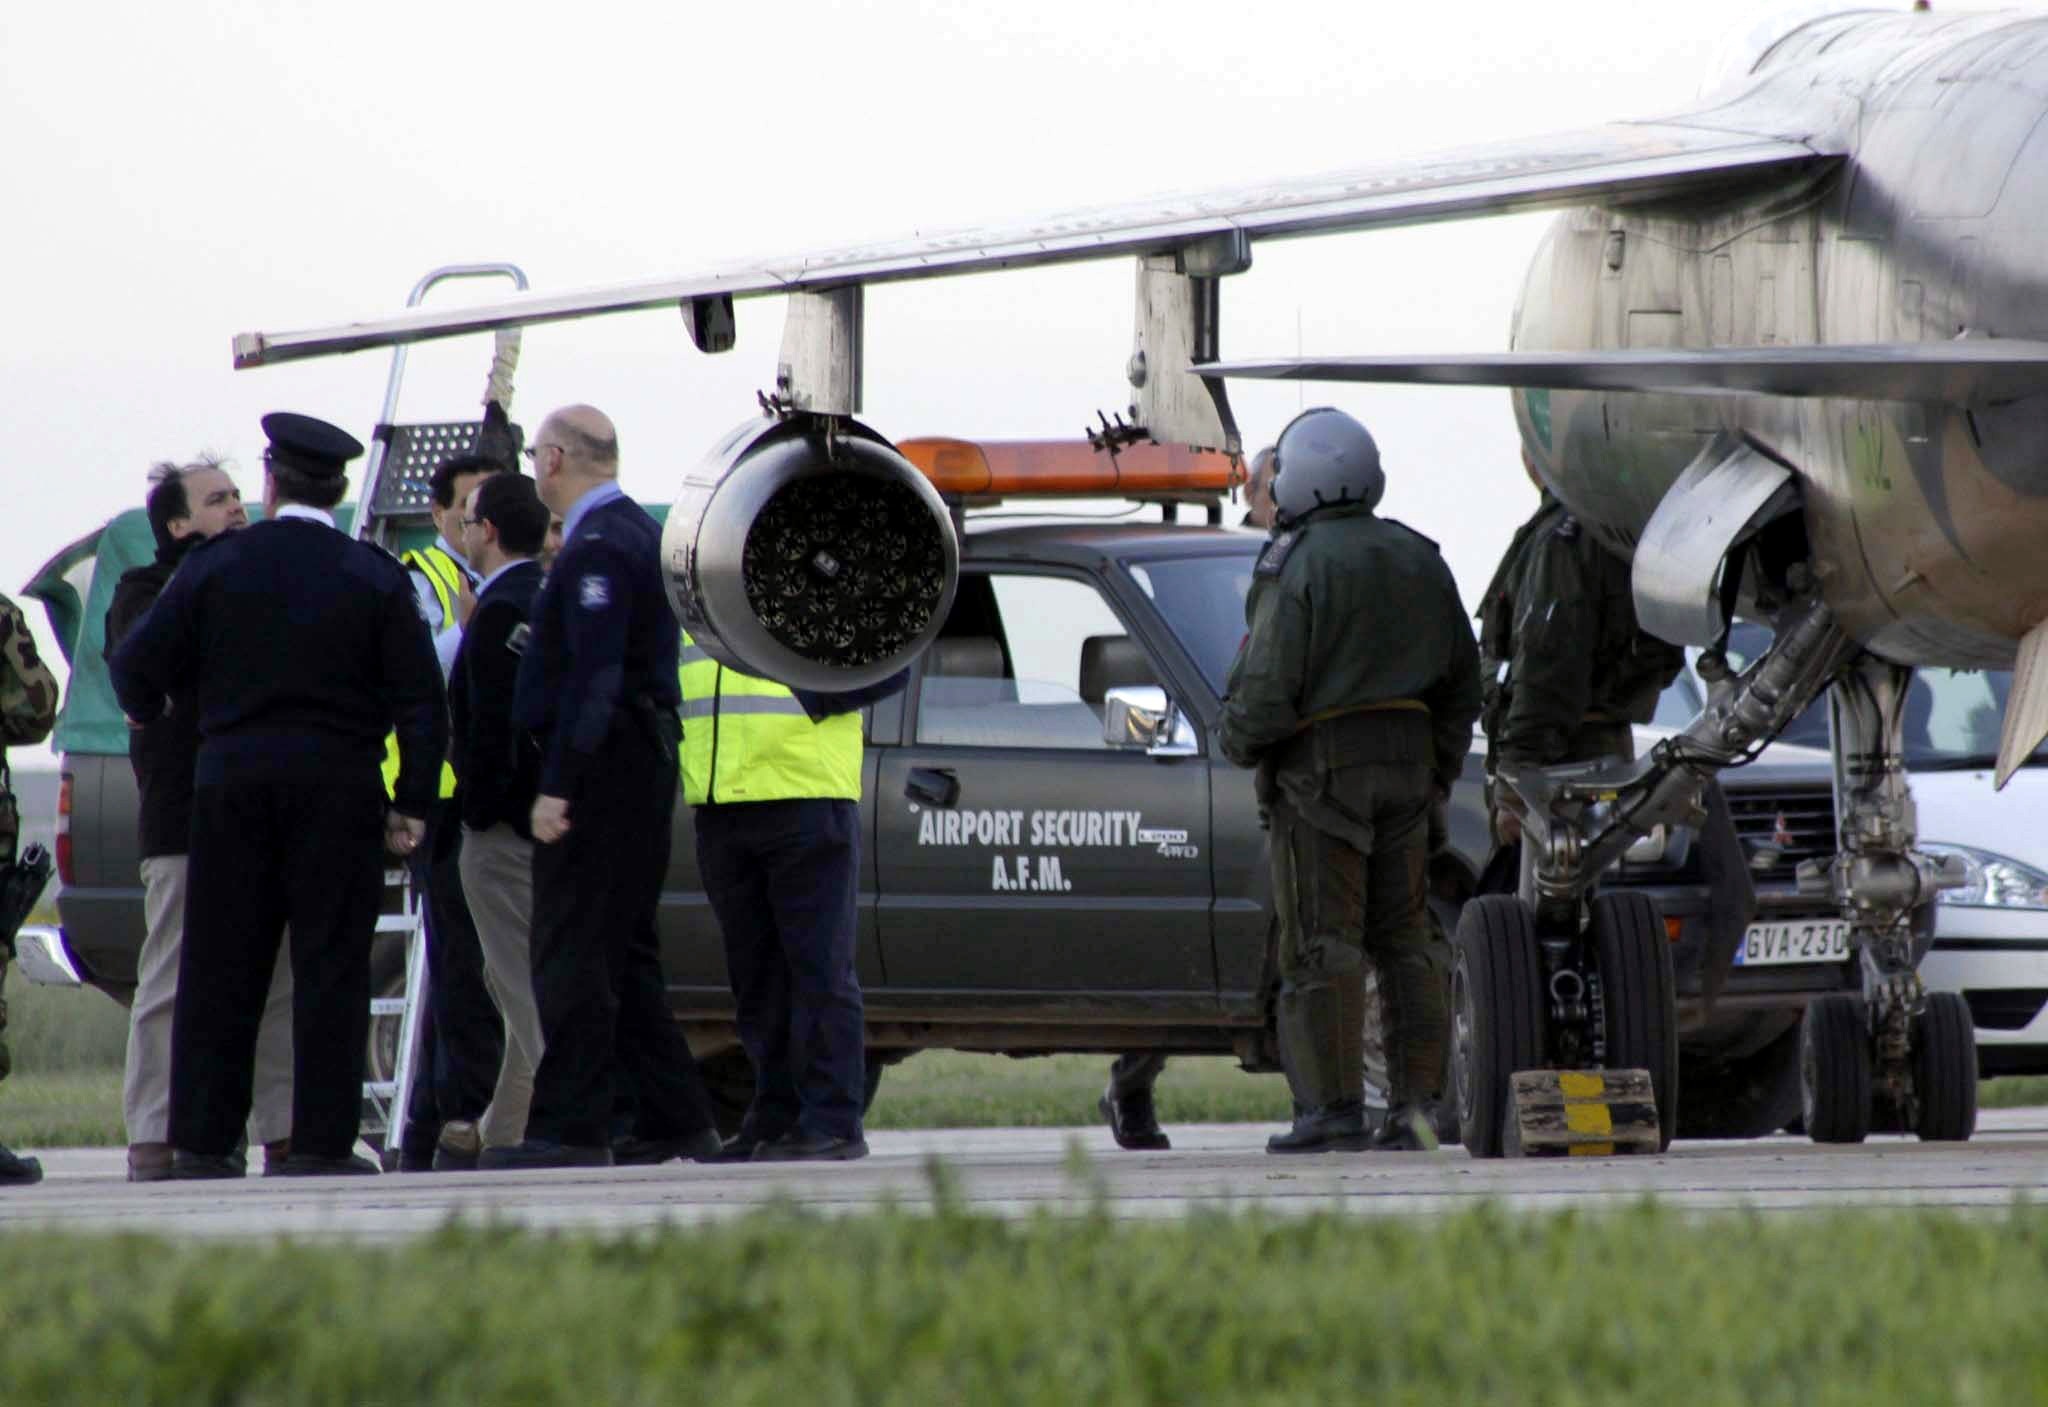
(1781, 944)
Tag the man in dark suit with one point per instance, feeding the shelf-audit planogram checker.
(305, 649)
(497, 770)
(598, 688)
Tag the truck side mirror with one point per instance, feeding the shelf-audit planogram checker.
(1140, 715)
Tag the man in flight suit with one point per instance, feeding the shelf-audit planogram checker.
(1566, 667)
(1354, 696)
(305, 649)
(598, 686)
(28, 710)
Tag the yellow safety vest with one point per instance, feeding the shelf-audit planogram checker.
(748, 739)
(446, 578)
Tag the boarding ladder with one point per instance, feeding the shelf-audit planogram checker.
(396, 495)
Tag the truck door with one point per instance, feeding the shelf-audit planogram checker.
(1019, 851)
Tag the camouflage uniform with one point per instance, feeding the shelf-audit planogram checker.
(28, 709)
(1567, 668)
(1354, 695)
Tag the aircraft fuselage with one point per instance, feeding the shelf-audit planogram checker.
(1928, 522)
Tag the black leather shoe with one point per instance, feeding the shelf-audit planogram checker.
(737, 1149)
(320, 1165)
(645, 1152)
(17, 1171)
(811, 1148)
(542, 1153)
(1407, 1129)
(1134, 1123)
(457, 1148)
(1334, 1128)
(192, 1167)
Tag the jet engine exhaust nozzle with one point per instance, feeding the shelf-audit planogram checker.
(809, 552)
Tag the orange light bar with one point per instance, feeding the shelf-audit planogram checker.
(1009, 468)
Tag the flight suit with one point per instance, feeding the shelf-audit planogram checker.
(1566, 667)
(28, 709)
(1354, 696)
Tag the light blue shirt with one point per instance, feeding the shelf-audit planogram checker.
(594, 498)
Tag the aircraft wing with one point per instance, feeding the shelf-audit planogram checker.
(1617, 163)
(1960, 372)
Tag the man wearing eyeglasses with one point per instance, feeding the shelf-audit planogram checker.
(463, 1037)
(598, 688)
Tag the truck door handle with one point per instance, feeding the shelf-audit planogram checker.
(935, 786)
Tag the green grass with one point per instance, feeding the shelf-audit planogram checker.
(1635, 1306)
(63, 1029)
(947, 1089)
(2013, 1092)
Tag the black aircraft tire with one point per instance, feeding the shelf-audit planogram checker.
(1640, 993)
(1497, 1015)
(1945, 1069)
(1834, 1070)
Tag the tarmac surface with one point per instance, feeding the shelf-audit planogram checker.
(1019, 1172)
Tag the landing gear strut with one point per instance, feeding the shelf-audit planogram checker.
(1593, 975)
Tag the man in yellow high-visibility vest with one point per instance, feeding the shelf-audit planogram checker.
(775, 777)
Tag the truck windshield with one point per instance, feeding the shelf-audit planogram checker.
(1202, 602)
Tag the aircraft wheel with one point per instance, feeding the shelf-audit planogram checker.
(1633, 955)
(1497, 1015)
(1834, 1070)
(1945, 1069)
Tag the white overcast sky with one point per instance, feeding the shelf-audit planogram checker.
(176, 173)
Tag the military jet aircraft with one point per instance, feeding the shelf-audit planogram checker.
(1787, 349)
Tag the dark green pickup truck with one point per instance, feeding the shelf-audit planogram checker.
(1057, 859)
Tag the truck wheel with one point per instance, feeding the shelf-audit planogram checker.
(1752, 1096)
(1633, 956)
(1945, 1069)
(1834, 1070)
(1496, 1015)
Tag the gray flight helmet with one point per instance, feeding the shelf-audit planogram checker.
(1323, 459)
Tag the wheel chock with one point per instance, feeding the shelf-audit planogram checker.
(1582, 1113)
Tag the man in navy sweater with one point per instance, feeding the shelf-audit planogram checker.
(497, 771)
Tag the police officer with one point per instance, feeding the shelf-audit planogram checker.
(1354, 696)
(597, 685)
(304, 648)
(187, 505)
(1567, 668)
(463, 1036)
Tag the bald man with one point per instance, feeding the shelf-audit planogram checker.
(598, 689)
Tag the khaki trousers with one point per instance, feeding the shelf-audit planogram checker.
(146, 1076)
(497, 880)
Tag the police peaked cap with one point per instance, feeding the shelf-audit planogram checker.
(312, 447)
